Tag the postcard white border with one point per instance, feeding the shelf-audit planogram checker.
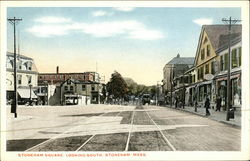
(194, 155)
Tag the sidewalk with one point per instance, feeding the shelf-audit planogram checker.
(215, 115)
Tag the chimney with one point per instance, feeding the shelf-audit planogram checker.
(57, 69)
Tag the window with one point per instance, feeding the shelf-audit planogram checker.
(208, 50)
(199, 73)
(93, 88)
(213, 67)
(202, 72)
(226, 61)
(234, 59)
(29, 79)
(65, 88)
(71, 88)
(207, 69)
(239, 56)
(202, 54)
(221, 63)
(83, 87)
(19, 79)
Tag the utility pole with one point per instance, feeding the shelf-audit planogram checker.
(229, 22)
(14, 22)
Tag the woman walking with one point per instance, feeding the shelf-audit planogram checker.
(207, 106)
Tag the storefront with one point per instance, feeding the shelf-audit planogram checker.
(235, 89)
(204, 91)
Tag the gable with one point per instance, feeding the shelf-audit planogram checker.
(205, 49)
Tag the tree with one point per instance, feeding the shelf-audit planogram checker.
(117, 87)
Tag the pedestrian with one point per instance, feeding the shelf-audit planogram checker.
(207, 106)
(176, 102)
(195, 106)
(218, 103)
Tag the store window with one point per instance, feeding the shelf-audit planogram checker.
(236, 92)
(201, 93)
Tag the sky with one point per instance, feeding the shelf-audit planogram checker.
(135, 41)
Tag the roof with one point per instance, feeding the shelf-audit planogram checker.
(182, 60)
(218, 34)
(18, 55)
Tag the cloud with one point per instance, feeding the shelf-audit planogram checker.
(203, 21)
(99, 13)
(130, 29)
(49, 30)
(51, 19)
(124, 9)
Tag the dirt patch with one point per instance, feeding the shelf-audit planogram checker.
(126, 117)
(141, 118)
(63, 144)
(22, 145)
(85, 115)
(107, 142)
(148, 141)
(111, 114)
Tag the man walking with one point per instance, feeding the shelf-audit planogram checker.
(207, 106)
(218, 103)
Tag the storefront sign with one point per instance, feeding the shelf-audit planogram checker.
(208, 76)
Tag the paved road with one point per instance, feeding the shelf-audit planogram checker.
(117, 128)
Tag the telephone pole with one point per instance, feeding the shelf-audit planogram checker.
(14, 21)
(229, 99)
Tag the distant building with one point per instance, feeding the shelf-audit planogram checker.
(174, 68)
(78, 92)
(58, 78)
(26, 77)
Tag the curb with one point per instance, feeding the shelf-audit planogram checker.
(224, 122)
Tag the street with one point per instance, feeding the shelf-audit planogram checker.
(116, 128)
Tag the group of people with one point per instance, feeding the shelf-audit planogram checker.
(218, 105)
(206, 104)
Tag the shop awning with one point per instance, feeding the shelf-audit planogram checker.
(231, 77)
(206, 82)
(25, 93)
